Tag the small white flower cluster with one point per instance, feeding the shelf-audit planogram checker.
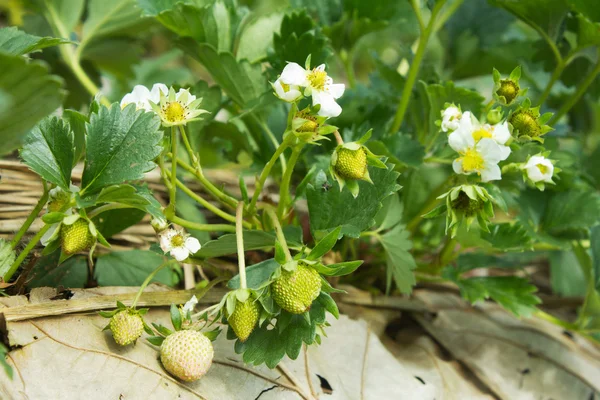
(172, 108)
(296, 82)
(178, 243)
(482, 146)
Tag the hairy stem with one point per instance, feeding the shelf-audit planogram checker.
(201, 227)
(279, 232)
(581, 89)
(32, 243)
(32, 216)
(264, 174)
(148, 279)
(415, 65)
(173, 188)
(555, 75)
(284, 189)
(239, 238)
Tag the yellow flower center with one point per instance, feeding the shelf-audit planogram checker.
(543, 169)
(317, 79)
(472, 161)
(286, 87)
(480, 134)
(174, 112)
(177, 241)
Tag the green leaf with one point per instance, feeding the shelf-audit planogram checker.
(110, 17)
(28, 94)
(298, 38)
(15, 42)
(546, 16)
(508, 236)
(513, 293)
(571, 211)
(324, 245)
(66, 13)
(257, 36)
(73, 273)
(329, 209)
(7, 256)
(595, 249)
(269, 346)
(49, 151)
(400, 262)
(400, 149)
(121, 145)
(77, 123)
(391, 213)
(5, 365)
(124, 194)
(175, 317)
(111, 222)
(243, 82)
(338, 269)
(131, 268)
(253, 240)
(256, 275)
(566, 276)
(587, 8)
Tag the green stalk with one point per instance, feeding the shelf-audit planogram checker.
(581, 89)
(413, 71)
(216, 210)
(32, 243)
(148, 279)
(193, 159)
(32, 216)
(284, 189)
(239, 238)
(201, 227)
(271, 137)
(555, 75)
(279, 232)
(173, 188)
(212, 189)
(585, 262)
(264, 174)
(71, 56)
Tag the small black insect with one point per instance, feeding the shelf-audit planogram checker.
(326, 186)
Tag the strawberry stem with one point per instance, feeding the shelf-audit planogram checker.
(338, 137)
(148, 279)
(239, 237)
(279, 233)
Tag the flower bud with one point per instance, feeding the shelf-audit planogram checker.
(494, 116)
(159, 224)
(525, 123)
(509, 90)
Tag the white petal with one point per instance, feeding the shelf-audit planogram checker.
(451, 112)
(294, 74)
(329, 108)
(501, 134)
(336, 90)
(291, 95)
(185, 97)
(457, 166)
(492, 151)
(491, 172)
(190, 304)
(157, 88)
(534, 174)
(180, 253)
(461, 139)
(192, 244)
(535, 160)
(139, 96)
(165, 239)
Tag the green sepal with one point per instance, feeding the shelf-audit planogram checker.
(108, 314)
(163, 330)
(176, 318)
(53, 217)
(156, 340)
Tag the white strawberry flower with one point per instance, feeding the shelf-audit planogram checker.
(141, 95)
(177, 108)
(539, 169)
(468, 123)
(289, 93)
(189, 305)
(178, 243)
(451, 117)
(477, 156)
(316, 83)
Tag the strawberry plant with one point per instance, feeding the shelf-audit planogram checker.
(281, 153)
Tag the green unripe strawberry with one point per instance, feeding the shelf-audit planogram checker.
(126, 327)
(244, 318)
(295, 291)
(187, 355)
(351, 164)
(508, 89)
(76, 237)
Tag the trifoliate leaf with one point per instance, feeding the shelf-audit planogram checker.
(507, 236)
(256, 275)
(329, 208)
(121, 146)
(400, 262)
(49, 151)
(571, 211)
